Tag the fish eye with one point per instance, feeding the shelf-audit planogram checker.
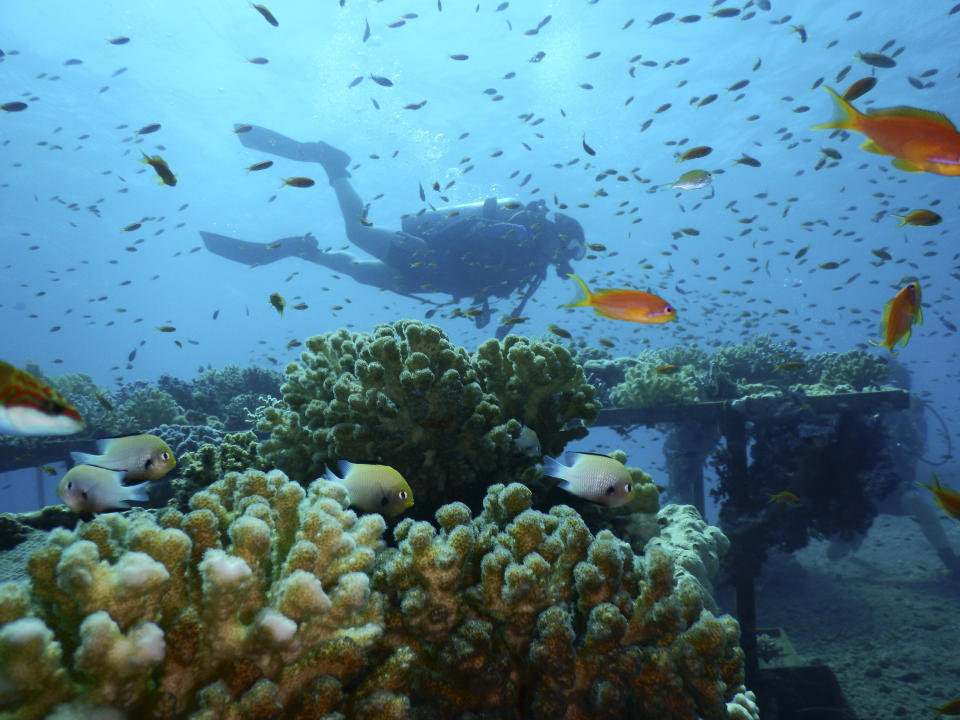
(53, 407)
(70, 485)
(164, 456)
(628, 488)
(910, 287)
(402, 494)
(668, 308)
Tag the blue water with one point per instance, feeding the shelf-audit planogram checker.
(186, 68)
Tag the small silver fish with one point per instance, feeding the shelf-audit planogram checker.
(693, 180)
(88, 489)
(528, 443)
(597, 478)
(374, 488)
(141, 457)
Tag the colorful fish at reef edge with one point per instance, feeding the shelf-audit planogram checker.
(899, 314)
(784, 497)
(87, 489)
(141, 457)
(374, 488)
(597, 478)
(630, 305)
(947, 499)
(919, 140)
(29, 406)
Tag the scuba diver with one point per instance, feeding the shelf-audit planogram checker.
(482, 250)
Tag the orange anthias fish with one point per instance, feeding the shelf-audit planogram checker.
(899, 314)
(630, 305)
(29, 406)
(785, 497)
(946, 498)
(919, 140)
(950, 708)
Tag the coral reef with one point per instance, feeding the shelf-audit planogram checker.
(224, 397)
(648, 384)
(519, 609)
(270, 601)
(854, 369)
(184, 439)
(753, 362)
(743, 706)
(256, 600)
(758, 367)
(403, 395)
(206, 464)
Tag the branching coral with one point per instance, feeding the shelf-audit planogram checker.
(524, 611)
(209, 462)
(756, 367)
(647, 384)
(405, 396)
(258, 598)
(755, 361)
(269, 601)
(856, 369)
(227, 395)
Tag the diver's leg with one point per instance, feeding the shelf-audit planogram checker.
(333, 160)
(915, 505)
(253, 254)
(379, 242)
(367, 272)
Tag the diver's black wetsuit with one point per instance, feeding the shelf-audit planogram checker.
(478, 251)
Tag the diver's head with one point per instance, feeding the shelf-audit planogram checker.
(570, 232)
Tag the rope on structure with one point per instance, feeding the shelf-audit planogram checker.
(946, 434)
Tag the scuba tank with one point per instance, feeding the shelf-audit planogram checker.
(433, 222)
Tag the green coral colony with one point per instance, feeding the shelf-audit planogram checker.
(258, 592)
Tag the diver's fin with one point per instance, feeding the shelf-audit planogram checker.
(333, 160)
(252, 254)
(268, 141)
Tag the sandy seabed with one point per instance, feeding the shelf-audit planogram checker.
(885, 617)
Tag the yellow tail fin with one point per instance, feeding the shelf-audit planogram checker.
(583, 295)
(846, 117)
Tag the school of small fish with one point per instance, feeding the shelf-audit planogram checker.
(739, 169)
(613, 196)
(717, 253)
